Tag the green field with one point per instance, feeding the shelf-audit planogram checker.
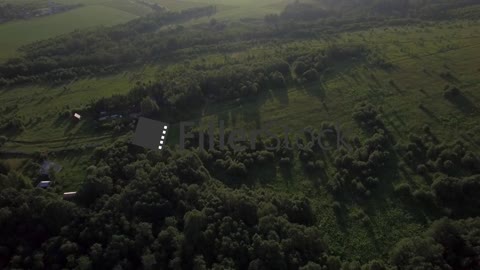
(46, 132)
(332, 99)
(92, 13)
(15, 34)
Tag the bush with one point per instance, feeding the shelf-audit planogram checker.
(277, 79)
(371, 181)
(3, 140)
(299, 68)
(403, 189)
(448, 166)
(319, 165)
(237, 169)
(14, 125)
(422, 169)
(469, 161)
(311, 75)
(285, 162)
(451, 93)
(424, 196)
(426, 129)
(310, 166)
(4, 167)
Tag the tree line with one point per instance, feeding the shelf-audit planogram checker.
(176, 93)
(89, 52)
(160, 210)
(106, 50)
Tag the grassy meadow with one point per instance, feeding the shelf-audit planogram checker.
(15, 34)
(415, 79)
(42, 105)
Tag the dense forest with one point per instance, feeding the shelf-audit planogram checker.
(214, 209)
(161, 209)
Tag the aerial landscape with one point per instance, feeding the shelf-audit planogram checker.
(297, 134)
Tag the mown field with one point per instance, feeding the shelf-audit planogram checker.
(42, 106)
(91, 14)
(15, 34)
(415, 78)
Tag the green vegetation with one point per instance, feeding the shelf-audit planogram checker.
(398, 79)
(16, 11)
(18, 33)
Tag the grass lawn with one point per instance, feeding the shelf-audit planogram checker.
(17, 33)
(40, 107)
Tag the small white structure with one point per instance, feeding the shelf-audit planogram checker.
(69, 195)
(44, 184)
(78, 116)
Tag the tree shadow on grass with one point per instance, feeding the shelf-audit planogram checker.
(375, 79)
(447, 76)
(470, 96)
(424, 92)
(428, 112)
(252, 115)
(375, 94)
(392, 124)
(281, 94)
(247, 108)
(316, 90)
(42, 100)
(463, 103)
(427, 72)
(396, 87)
(70, 125)
(65, 90)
